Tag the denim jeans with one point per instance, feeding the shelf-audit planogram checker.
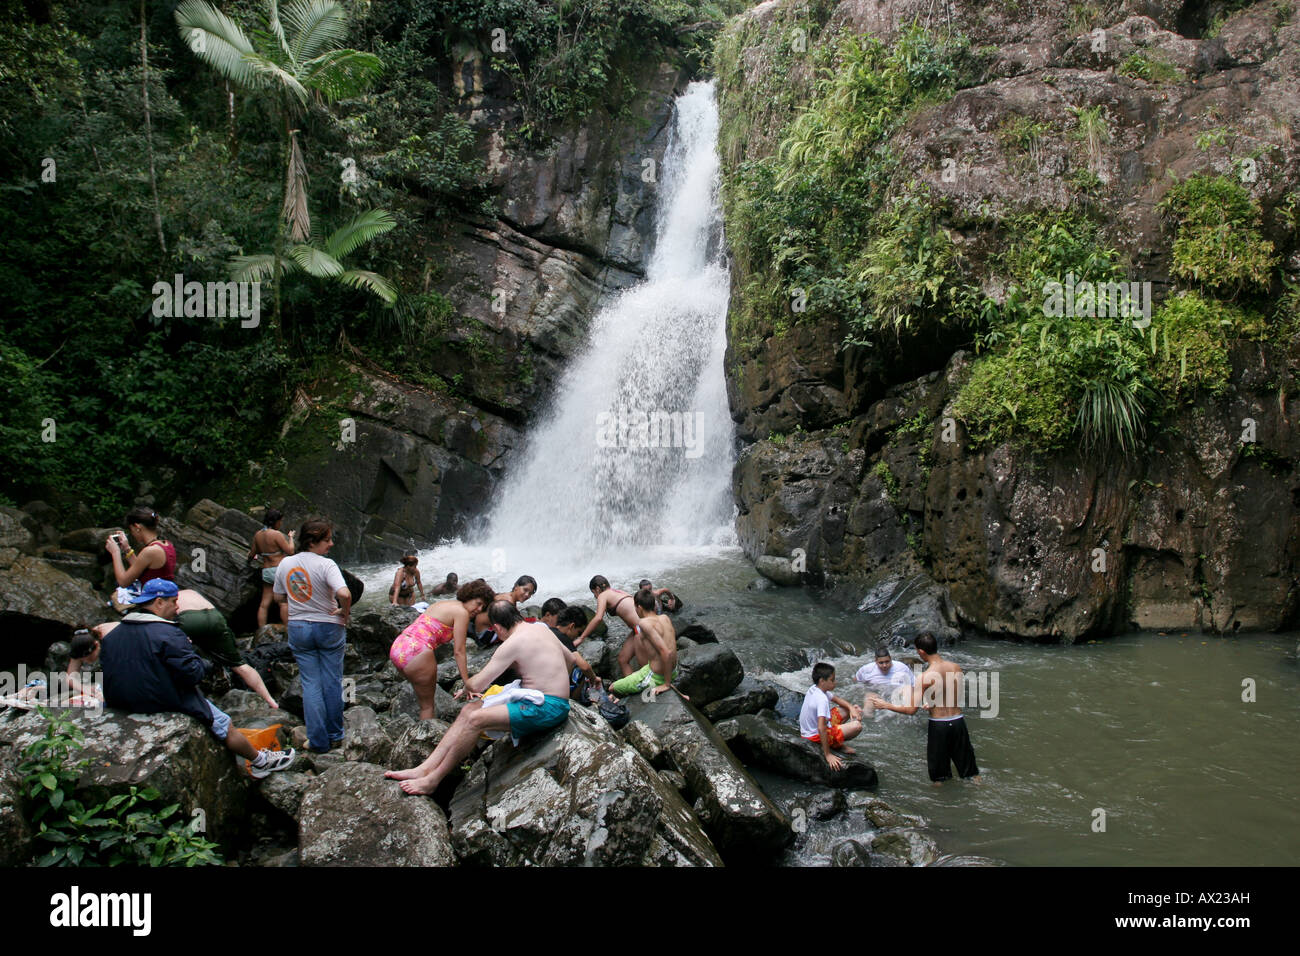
(318, 648)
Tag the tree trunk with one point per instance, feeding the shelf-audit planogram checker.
(148, 126)
(232, 137)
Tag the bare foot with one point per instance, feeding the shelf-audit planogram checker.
(411, 774)
(420, 787)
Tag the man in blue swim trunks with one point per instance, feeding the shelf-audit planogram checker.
(543, 664)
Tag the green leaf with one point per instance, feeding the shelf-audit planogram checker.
(49, 781)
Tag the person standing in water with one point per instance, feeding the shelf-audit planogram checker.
(948, 741)
(449, 586)
(407, 580)
(270, 546)
(619, 602)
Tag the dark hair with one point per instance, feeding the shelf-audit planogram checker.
(453, 576)
(527, 579)
(571, 615)
(925, 642)
(882, 651)
(670, 601)
(83, 645)
(645, 583)
(599, 581)
(313, 531)
(504, 614)
(822, 671)
(141, 515)
(553, 606)
(478, 588)
(410, 558)
(272, 517)
(644, 599)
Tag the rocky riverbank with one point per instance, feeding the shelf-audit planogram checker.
(669, 788)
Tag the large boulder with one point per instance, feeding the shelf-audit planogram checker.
(212, 554)
(364, 739)
(172, 753)
(708, 672)
(356, 817)
(738, 816)
(374, 627)
(748, 698)
(39, 604)
(761, 742)
(576, 796)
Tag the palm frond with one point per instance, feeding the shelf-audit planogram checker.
(371, 282)
(277, 29)
(295, 194)
(274, 75)
(218, 41)
(366, 226)
(340, 74)
(250, 268)
(316, 25)
(316, 262)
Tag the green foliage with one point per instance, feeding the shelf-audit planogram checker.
(888, 479)
(1153, 67)
(129, 828)
(1191, 334)
(1022, 137)
(1217, 244)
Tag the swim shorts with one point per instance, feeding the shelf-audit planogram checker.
(526, 718)
(834, 732)
(948, 740)
(268, 575)
(632, 683)
(212, 635)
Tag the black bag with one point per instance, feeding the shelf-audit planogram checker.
(616, 714)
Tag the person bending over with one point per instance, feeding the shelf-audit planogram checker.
(543, 664)
(655, 647)
(608, 600)
(413, 653)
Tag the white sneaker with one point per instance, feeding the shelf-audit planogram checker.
(269, 761)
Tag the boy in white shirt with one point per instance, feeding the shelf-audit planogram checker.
(821, 719)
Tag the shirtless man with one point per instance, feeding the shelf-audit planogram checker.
(936, 691)
(655, 648)
(620, 602)
(543, 664)
(524, 588)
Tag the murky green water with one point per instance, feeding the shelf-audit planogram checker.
(1150, 729)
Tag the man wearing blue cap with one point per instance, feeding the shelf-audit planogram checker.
(150, 667)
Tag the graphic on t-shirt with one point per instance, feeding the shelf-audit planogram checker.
(298, 584)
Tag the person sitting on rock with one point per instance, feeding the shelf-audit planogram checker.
(524, 588)
(406, 581)
(209, 631)
(551, 609)
(822, 718)
(655, 644)
(150, 667)
(449, 586)
(413, 653)
(608, 600)
(569, 623)
(539, 703)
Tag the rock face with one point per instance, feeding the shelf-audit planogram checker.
(170, 752)
(15, 832)
(39, 604)
(774, 746)
(578, 796)
(356, 817)
(849, 459)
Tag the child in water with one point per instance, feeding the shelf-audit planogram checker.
(407, 581)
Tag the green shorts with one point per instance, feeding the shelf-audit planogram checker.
(632, 683)
(212, 635)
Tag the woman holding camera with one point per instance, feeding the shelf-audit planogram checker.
(156, 557)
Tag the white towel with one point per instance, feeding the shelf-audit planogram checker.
(512, 691)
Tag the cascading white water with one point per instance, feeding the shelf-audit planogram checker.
(628, 471)
(651, 375)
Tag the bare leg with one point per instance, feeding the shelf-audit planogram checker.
(629, 650)
(422, 671)
(263, 609)
(458, 742)
(238, 743)
(249, 675)
(851, 730)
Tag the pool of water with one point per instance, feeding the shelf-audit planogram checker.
(1146, 733)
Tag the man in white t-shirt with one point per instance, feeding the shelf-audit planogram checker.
(311, 588)
(821, 719)
(885, 671)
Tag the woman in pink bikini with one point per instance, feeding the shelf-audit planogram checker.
(413, 651)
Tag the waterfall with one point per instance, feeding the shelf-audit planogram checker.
(636, 447)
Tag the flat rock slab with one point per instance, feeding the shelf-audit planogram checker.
(773, 746)
(356, 817)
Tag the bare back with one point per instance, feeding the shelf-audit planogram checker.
(543, 662)
(662, 648)
(938, 689)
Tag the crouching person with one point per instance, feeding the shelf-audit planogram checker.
(540, 702)
(150, 667)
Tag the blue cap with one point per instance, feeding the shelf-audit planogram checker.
(154, 589)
